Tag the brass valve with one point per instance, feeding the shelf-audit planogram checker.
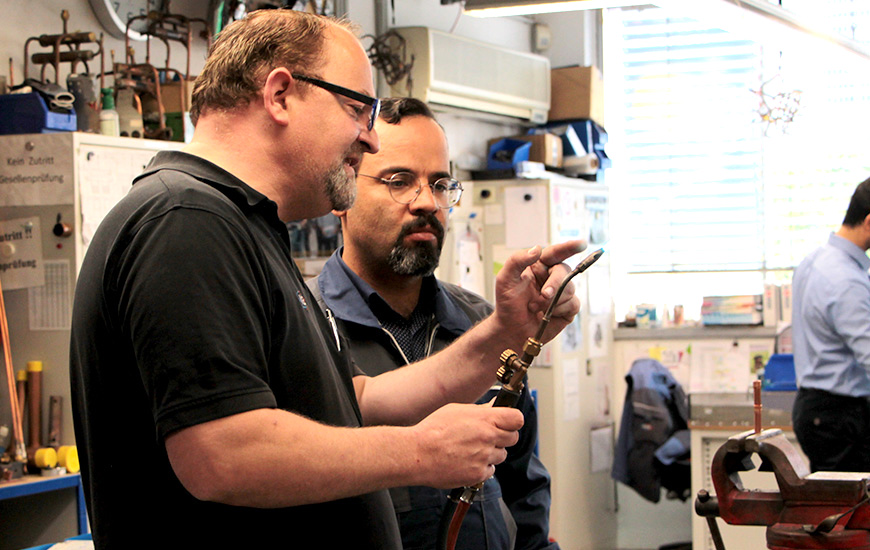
(505, 371)
(532, 348)
(512, 370)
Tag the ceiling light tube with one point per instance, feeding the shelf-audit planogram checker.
(504, 8)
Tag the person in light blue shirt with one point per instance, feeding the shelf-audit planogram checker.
(831, 338)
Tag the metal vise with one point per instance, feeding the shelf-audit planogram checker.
(821, 510)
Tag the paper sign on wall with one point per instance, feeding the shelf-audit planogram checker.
(50, 305)
(21, 254)
(600, 449)
(571, 388)
(36, 172)
(526, 216)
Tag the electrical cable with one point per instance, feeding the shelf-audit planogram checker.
(387, 53)
(458, 17)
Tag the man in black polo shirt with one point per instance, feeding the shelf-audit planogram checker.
(211, 402)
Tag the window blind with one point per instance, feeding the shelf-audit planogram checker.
(705, 184)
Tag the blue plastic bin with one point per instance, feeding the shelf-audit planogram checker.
(505, 153)
(779, 373)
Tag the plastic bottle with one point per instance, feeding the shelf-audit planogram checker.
(110, 122)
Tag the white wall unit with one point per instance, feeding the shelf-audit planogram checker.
(572, 375)
(73, 178)
(455, 71)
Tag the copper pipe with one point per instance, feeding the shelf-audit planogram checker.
(756, 389)
(34, 406)
(21, 389)
(19, 452)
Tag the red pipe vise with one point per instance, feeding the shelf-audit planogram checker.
(821, 510)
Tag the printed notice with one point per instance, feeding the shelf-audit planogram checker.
(105, 178)
(50, 305)
(571, 389)
(21, 254)
(600, 449)
(525, 216)
(36, 170)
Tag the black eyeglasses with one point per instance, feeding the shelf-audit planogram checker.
(368, 114)
(405, 187)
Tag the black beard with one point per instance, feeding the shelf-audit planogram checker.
(422, 259)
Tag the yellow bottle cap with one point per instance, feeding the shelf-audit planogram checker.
(34, 366)
(68, 457)
(45, 457)
(21, 375)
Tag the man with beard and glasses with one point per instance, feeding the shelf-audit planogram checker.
(212, 406)
(392, 311)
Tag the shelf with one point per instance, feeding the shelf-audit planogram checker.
(694, 333)
(34, 485)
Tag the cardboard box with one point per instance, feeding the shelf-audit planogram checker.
(576, 92)
(546, 148)
(176, 96)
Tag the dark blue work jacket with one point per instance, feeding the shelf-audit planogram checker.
(652, 450)
(514, 505)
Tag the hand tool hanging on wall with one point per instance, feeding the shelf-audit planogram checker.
(510, 374)
(821, 510)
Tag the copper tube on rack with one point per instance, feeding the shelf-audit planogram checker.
(19, 451)
(21, 388)
(73, 54)
(34, 406)
(756, 390)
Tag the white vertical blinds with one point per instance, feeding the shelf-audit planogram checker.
(706, 185)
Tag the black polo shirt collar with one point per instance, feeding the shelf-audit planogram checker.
(209, 173)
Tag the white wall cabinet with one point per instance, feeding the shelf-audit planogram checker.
(66, 178)
(572, 375)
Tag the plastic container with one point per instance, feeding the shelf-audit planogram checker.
(110, 122)
(779, 373)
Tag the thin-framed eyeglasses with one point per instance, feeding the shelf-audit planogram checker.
(405, 187)
(367, 114)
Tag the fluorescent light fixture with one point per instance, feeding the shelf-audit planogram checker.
(504, 8)
(758, 19)
(766, 22)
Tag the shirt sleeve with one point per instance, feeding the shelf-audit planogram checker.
(195, 307)
(850, 317)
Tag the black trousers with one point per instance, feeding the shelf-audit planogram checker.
(833, 430)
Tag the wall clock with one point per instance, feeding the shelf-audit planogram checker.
(113, 15)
